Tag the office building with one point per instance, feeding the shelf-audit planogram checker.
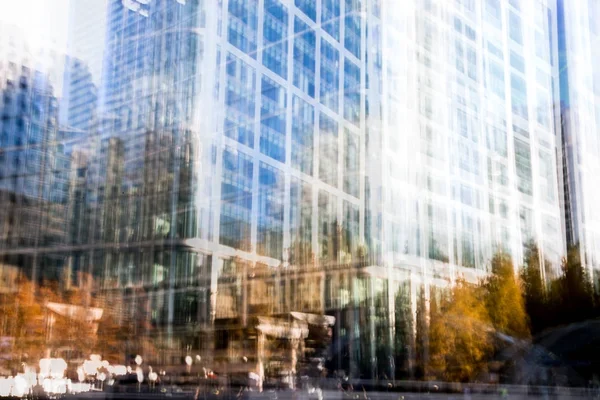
(275, 171)
(579, 88)
(33, 186)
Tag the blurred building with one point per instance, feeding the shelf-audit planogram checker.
(580, 117)
(271, 184)
(33, 186)
(78, 104)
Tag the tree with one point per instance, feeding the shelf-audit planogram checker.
(438, 343)
(72, 332)
(403, 335)
(422, 335)
(113, 338)
(573, 290)
(459, 339)
(504, 298)
(24, 324)
(536, 299)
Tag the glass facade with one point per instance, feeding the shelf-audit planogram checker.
(249, 173)
(579, 90)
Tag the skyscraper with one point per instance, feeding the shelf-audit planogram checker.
(579, 88)
(261, 171)
(33, 187)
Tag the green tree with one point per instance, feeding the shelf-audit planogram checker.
(504, 298)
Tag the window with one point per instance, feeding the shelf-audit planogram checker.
(542, 46)
(517, 62)
(495, 50)
(459, 55)
(526, 218)
(328, 225)
(236, 199)
(302, 135)
(330, 17)
(239, 99)
(269, 241)
(515, 30)
(496, 72)
(243, 21)
(273, 119)
(351, 163)
(543, 109)
(523, 166)
(308, 7)
(275, 37)
(330, 64)
(350, 228)
(472, 63)
(470, 33)
(546, 171)
(300, 222)
(493, 12)
(328, 150)
(518, 96)
(458, 25)
(304, 57)
(520, 131)
(352, 23)
(461, 123)
(351, 92)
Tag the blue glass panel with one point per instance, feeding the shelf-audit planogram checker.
(273, 119)
(308, 7)
(304, 57)
(275, 37)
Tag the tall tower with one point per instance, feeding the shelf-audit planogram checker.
(32, 163)
(262, 163)
(579, 102)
